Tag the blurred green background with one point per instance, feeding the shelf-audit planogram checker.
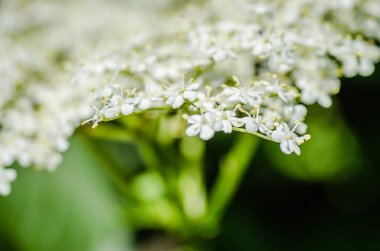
(326, 199)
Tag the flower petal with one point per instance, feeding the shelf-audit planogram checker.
(127, 109)
(178, 101)
(206, 132)
(193, 130)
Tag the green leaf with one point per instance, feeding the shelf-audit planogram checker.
(332, 150)
(73, 208)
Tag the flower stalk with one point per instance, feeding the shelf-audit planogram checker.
(231, 171)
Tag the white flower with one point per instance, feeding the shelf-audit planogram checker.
(219, 54)
(243, 95)
(225, 120)
(6, 177)
(177, 94)
(254, 124)
(201, 125)
(204, 101)
(296, 114)
(251, 124)
(289, 141)
(128, 106)
(149, 97)
(278, 88)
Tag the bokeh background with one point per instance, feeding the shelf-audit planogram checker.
(326, 199)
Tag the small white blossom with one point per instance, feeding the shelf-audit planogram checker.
(226, 120)
(177, 94)
(201, 125)
(128, 106)
(6, 177)
(289, 141)
(244, 95)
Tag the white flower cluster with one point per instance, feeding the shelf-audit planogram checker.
(243, 65)
(246, 66)
(39, 107)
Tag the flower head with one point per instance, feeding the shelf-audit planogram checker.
(254, 65)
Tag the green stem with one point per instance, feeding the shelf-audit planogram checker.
(144, 145)
(148, 154)
(109, 165)
(253, 133)
(192, 189)
(231, 172)
(109, 133)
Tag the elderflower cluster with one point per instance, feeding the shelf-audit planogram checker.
(246, 65)
(39, 107)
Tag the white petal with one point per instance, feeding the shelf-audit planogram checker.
(218, 126)
(296, 149)
(264, 129)
(278, 136)
(24, 159)
(301, 128)
(254, 100)
(286, 147)
(107, 92)
(230, 90)
(350, 67)
(61, 144)
(145, 104)
(308, 97)
(190, 95)
(219, 55)
(284, 128)
(178, 101)
(5, 188)
(366, 68)
(194, 119)
(227, 127)
(325, 100)
(206, 132)
(127, 109)
(10, 175)
(112, 112)
(192, 86)
(193, 130)
(300, 111)
(236, 122)
(251, 126)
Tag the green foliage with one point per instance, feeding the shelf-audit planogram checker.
(332, 150)
(70, 209)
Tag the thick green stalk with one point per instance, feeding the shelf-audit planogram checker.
(191, 178)
(231, 172)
